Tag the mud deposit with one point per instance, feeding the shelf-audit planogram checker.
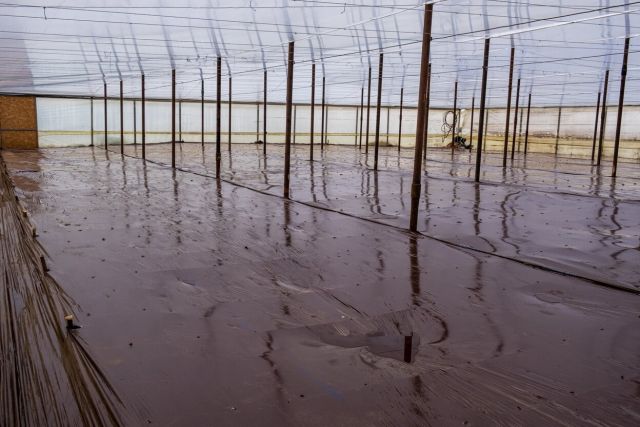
(207, 302)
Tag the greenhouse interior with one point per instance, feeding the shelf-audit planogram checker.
(320, 213)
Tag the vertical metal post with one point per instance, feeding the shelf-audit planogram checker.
(202, 113)
(257, 121)
(603, 117)
(295, 114)
(379, 101)
(515, 121)
(486, 128)
(92, 121)
(558, 130)
(121, 118)
(526, 132)
(623, 82)
(416, 184)
(229, 125)
(135, 125)
(144, 121)
(455, 117)
(473, 106)
(483, 99)
(326, 124)
(425, 131)
(322, 136)
(361, 114)
(595, 128)
(508, 120)
(218, 115)
(173, 118)
(287, 137)
(366, 139)
(264, 114)
(313, 109)
(400, 118)
(106, 128)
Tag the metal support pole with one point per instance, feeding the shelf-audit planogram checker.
(595, 129)
(257, 122)
(287, 137)
(229, 125)
(486, 128)
(483, 99)
(313, 109)
(473, 106)
(558, 130)
(603, 117)
(508, 121)
(135, 125)
(623, 82)
(379, 101)
(202, 113)
(218, 115)
(92, 121)
(106, 128)
(455, 117)
(173, 118)
(144, 122)
(366, 139)
(526, 132)
(515, 121)
(416, 184)
(326, 124)
(361, 114)
(121, 119)
(425, 131)
(322, 130)
(264, 114)
(400, 118)
(295, 114)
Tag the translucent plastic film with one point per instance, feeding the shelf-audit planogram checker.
(562, 49)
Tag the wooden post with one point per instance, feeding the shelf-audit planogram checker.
(473, 105)
(143, 119)
(121, 118)
(455, 117)
(483, 98)
(558, 130)
(526, 132)
(173, 118)
(313, 109)
(218, 115)
(375, 157)
(508, 121)
(366, 139)
(287, 138)
(322, 130)
(416, 184)
(623, 81)
(229, 127)
(603, 117)
(400, 119)
(515, 121)
(106, 128)
(595, 128)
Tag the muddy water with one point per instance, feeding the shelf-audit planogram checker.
(554, 213)
(207, 303)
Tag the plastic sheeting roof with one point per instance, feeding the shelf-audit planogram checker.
(562, 47)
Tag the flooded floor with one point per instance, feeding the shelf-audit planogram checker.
(220, 303)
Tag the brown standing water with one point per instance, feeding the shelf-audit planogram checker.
(211, 303)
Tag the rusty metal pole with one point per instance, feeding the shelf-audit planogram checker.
(361, 114)
(121, 118)
(218, 115)
(526, 132)
(287, 137)
(379, 101)
(366, 139)
(558, 131)
(202, 113)
(603, 117)
(229, 125)
(425, 136)
(595, 129)
(400, 118)
(515, 121)
(173, 118)
(508, 121)
(143, 120)
(473, 106)
(322, 130)
(264, 114)
(483, 99)
(455, 116)
(416, 184)
(623, 82)
(313, 109)
(92, 121)
(106, 128)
